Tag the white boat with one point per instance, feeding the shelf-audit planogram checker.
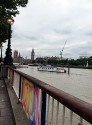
(51, 69)
(17, 65)
(60, 70)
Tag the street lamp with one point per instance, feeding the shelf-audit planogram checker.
(8, 58)
(1, 52)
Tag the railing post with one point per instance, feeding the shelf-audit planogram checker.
(19, 89)
(43, 109)
(63, 116)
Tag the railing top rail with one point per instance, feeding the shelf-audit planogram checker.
(78, 106)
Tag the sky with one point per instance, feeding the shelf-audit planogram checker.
(45, 25)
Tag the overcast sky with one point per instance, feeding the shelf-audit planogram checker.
(45, 25)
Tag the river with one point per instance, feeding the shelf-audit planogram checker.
(78, 83)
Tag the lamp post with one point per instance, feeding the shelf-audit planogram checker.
(8, 58)
(1, 52)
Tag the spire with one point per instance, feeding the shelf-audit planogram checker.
(32, 54)
(19, 55)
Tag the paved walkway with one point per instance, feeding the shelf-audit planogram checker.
(11, 112)
(19, 114)
(6, 113)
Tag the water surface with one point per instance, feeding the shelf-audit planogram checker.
(78, 83)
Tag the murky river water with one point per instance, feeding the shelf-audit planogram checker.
(78, 83)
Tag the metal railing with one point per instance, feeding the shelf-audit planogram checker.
(47, 105)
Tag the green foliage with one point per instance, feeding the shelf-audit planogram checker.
(8, 8)
(78, 62)
(81, 62)
(3, 32)
(40, 60)
(90, 60)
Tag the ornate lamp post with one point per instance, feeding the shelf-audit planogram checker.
(8, 58)
(1, 52)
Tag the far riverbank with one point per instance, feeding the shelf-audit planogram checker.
(82, 67)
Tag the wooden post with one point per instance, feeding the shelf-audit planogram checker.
(68, 69)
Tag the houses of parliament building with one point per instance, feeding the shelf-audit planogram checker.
(17, 58)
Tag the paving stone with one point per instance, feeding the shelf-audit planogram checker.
(6, 121)
(4, 104)
(6, 114)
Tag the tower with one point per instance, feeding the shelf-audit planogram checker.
(32, 55)
(15, 54)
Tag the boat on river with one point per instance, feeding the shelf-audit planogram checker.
(49, 68)
(17, 65)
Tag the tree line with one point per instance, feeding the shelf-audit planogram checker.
(81, 62)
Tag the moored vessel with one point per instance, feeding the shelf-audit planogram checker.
(49, 68)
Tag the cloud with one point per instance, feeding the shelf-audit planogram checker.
(45, 25)
(89, 33)
(63, 31)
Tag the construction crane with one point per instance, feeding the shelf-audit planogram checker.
(63, 49)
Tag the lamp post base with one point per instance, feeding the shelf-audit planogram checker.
(8, 58)
(8, 61)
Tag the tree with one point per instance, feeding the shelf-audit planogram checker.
(90, 60)
(8, 8)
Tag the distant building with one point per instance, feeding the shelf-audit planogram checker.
(15, 54)
(17, 57)
(32, 55)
